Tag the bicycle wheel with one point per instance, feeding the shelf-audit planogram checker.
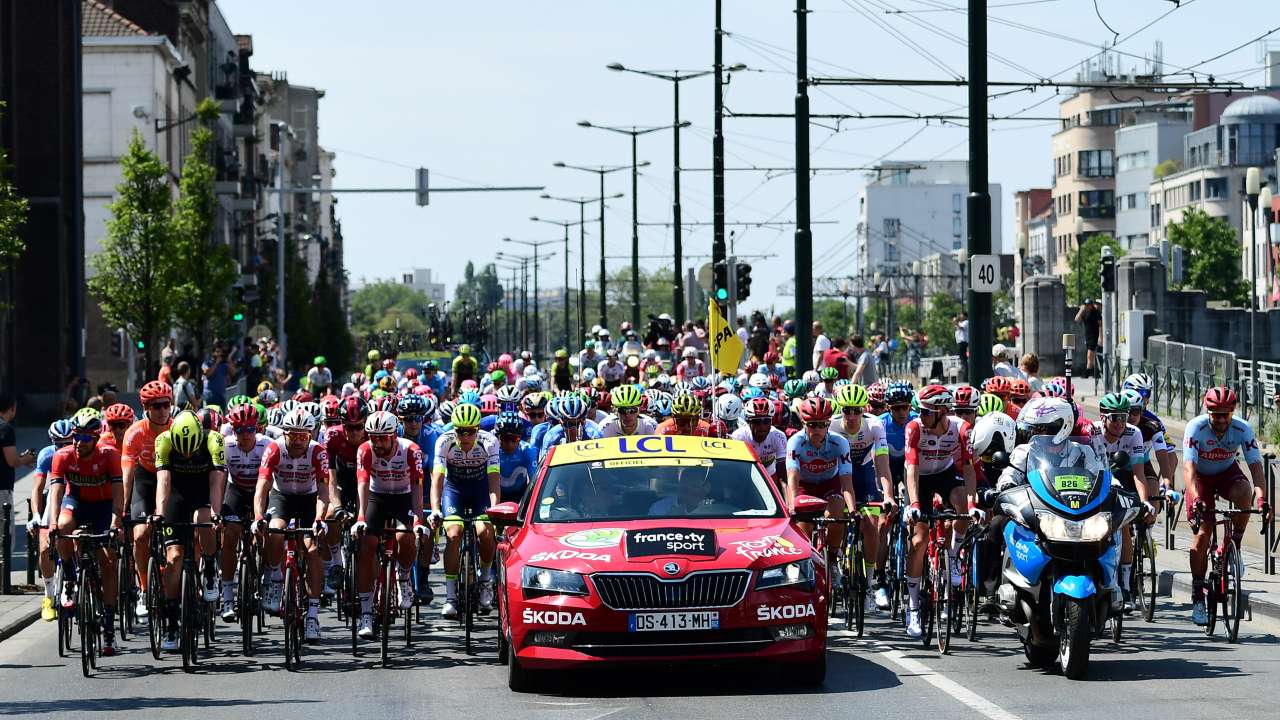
(467, 590)
(858, 588)
(893, 572)
(354, 598)
(289, 614)
(85, 617)
(972, 590)
(1145, 578)
(187, 616)
(1232, 608)
(942, 600)
(1212, 593)
(248, 601)
(388, 589)
(125, 593)
(155, 606)
(925, 591)
(64, 618)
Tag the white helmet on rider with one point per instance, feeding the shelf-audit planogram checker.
(728, 409)
(1048, 416)
(994, 432)
(759, 380)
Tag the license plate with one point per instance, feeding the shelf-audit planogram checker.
(656, 622)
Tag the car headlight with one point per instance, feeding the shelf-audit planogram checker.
(538, 582)
(799, 573)
(1060, 529)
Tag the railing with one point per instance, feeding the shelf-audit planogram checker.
(1270, 540)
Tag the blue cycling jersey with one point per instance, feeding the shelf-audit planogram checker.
(44, 463)
(818, 464)
(517, 470)
(555, 436)
(1212, 454)
(426, 441)
(895, 435)
(488, 423)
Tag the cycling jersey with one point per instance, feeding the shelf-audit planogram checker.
(685, 371)
(612, 427)
(1129, 442)
(668, 427)
(1153, 434)
(190, 471)
(341, 451)
(516, 470)
(464, 468)
(88, 479)
(392, 475)
(556, 435)
(289, 475)
(140, 445)
(426, 442)
(818, 465)
(539, 431)
(242, 466)
(933, 454)
(1211, 454)
(895, 435)
(866, 444)
(612, 374)
(772, 452)
(44, 463)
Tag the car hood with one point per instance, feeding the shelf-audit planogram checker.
(661, 546)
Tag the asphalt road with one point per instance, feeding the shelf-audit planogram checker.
(1167, 669)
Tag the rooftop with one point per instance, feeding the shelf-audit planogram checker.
(98, 20)
(1252, 109)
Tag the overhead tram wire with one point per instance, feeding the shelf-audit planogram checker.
(909, 43)
(954, 9)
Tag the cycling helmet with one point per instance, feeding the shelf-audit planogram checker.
(998, 385)
(816, 409)
(384, 403)
(851, 396)
(532, 401)
(759, 380)
(626, 396)
(119, 413)
(389, 365)
(296, 420)
(236, 401)
(757, 408)
(898, 393)
(446, 411)
(728, 409)
(686, 405)
(210, 418)
(508, 397)
(1113, 403)
(966, 398)
(588, 374)
(1053, 390)
(876, 391)
(990, 404)
(60, 431)
(155, 390)
(466, 416)
(85, 416)
(795, 388)
(374, 356)
(379, 375)
(829, 373)
(572, 407)
(993, 433)
(1047, 416)
(275, 416)
(488, 404)
(1220, 399)
(752, 392)
(186, 434)
(268, 397)
(497, 375)
(387, 383)
(700, 383)
(1019, 389)
(1140, 382)
(533, 384)
(381, 423)
(329, 405)
(411, 373)
(353, 409)
(682, 388)
(315, 411)
(358, 379)
(470, 397)
(935, 397)
(411, 405)
(509, 423)
(429, 404)
(303, 396)
(811, 378)
(1134, 397)
(243, 416)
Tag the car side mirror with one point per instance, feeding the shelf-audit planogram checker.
(808, 508)
(504, 515)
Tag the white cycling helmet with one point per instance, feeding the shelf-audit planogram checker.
(811, 378)
(296, 420)
(588, 374)
(381, 423)
(689, 352)
(1048, 416)
(1140, 382)
(759, 380)
(729, 409)
(994, 432)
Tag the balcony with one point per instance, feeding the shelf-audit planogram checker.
(1099, 212)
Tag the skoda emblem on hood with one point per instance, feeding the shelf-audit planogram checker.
(671, 568)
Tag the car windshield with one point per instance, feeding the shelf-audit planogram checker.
(627, 489)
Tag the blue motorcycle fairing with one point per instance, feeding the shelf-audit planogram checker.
(1042, 492)
(1028, 559)
(1109, 560)
(1076, 586)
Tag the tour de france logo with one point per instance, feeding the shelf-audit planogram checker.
(593, 539)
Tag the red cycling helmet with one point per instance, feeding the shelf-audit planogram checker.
(411, 374)
(243, 416)
(303, 396)
(604, 401)
(1019, 389)
(210, 419)
(815, 409)
(389, 365)
(422, 390)
(770, 357)
(875, 391)
(155, 390)
(751, 367)
(757, 408)
(330, 405)
(966, 398)
(1220, 399)
(119, 413)
(934, 397)
(353, 410)
(999, 385)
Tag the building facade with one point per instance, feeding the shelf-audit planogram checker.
(1155, 138)
(423, 280)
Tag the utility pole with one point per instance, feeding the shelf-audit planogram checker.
(979, 200)
(717, 148)
(804, 236)
(635, 235)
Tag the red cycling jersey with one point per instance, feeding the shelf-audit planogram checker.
(88, 479)
(294, 476)
(396, 474)
(935, 453)
(668, 427)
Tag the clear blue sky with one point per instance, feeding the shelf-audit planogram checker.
(490, 93)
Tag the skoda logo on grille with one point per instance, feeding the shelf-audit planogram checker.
(671, 568)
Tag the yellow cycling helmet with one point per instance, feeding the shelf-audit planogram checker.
(852, 396)
(626, 396)
(186, 433)
(466, 416)
(686, 405)
(990, 404)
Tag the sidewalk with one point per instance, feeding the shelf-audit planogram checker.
(23, 608)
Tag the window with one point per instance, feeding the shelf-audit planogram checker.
(955, 226)
(1215, 188)
(1104, 117)
(955, 202)
(891, 227)
(1096, 163)
(1097, 203)
(1155, 215)
(1133, 161)
(1193, 191)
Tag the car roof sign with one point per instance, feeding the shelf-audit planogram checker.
(651, 446)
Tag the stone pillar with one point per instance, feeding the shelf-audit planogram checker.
(1046, 297)
(1140, 284)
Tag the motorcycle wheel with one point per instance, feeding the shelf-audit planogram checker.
(1038, 655)
(1073, 645)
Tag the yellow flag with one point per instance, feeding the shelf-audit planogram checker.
(726, 348)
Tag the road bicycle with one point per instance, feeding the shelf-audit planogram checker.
(195, 614)
(938, 600)
(385, 607)
(293, 609)
(1225, 568)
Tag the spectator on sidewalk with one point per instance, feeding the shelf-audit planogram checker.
(821, 344)
(1090, 316)
(866, 370)
(1000, 363)
(961, 323)
(1030, 366)
(169, 353)
(9, 447)
(185, 395)
(219, 372)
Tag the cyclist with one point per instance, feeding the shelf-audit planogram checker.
(686, 418)
(117, 419)
(1127, 456)
(898, 397)
(626, 418)
(86, 484)
(610, 369)
(138, 460)
(60, 432)
(937, 464)
(190, 463)
(244, 457)
(517, 459)
(690, 366)
(965, 403)
(726, 416)
(768, 442)
(1153, 429)
(342, 446)
(818, 465)
(1209, 450)
(390, 486)
(417, 413)
(869, 466)
(466, 479)
(293, 484)
(572, 410)
(465, 367)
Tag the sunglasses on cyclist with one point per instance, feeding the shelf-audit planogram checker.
(852, 410)
(353, 427)
(899, 408)
(466, 432)
(243, 429)
(120, 425)
(297, 435)
(1116, 417)
(411, 418)
(1220, 415)
(84, 437)
(822, 425)
(628, 411)
(760, 421)
(159, 406)
(966, 413)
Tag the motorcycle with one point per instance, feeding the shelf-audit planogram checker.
(1061, 557)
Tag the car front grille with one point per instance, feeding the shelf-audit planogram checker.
(666, 644)
(646, 591)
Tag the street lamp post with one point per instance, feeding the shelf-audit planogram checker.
(1079, 259)
(535, 244)
(1022, 286)
(634, 132)
(600, 171)
(582, 202)
(1253, 188)
(564, 224)
(1264, 201)
(524, 293)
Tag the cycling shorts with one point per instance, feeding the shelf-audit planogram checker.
(348, 496)
(1215, 486)
(182, 505)
(456, 501)
(866, 486)
(825, 490)
(237, 503)
(395, 508)
(95, 516)
(300, 508)
(142, 505)
(940, 484)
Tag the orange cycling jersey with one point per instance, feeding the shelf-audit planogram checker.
(669, 427)
(140, 445)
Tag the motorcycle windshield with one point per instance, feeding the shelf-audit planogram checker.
(1068, 476)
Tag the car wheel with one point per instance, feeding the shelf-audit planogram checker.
(810, 674)
(519, 679)
(504, 647)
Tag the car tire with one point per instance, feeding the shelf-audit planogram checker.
(504, 647)
(810, 674)
(520, 679)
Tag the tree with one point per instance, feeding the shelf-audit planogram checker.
(482, 291)
(372, 304)
(1213, 255)
(13, 214)
(1091, 255)
(136, 269)
(331, 324)
(209, 272)
(939, 323)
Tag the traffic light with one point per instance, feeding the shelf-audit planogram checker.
(141, 345)
(1108, 273)
(237, 316)
(720, 284)
(423, 187)
(743, 273)
(117, 343)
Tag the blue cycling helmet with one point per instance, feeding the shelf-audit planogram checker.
(446, 411)
(470, 397)
(533, 384)
(509, 423)
(660, 405)
(411, 405)
(379, 375)
(428, 407)
(898, 393)
(572, 407)
(751, 393)
(60, 431)
(700, 383)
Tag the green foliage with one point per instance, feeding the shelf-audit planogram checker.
(1212, 256)
(480, 290)
(1168, 167)
(1091, 256)
(13, 213)
(202, 297)
(939, 325)
(333, 337)
(208, 110)
(136, 269)
(374, 308)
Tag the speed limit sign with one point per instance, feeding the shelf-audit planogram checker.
(984, 273)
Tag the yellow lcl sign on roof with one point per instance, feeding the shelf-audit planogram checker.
(653, 446)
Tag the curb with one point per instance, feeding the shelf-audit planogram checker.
(19, 625)
(1171, 580)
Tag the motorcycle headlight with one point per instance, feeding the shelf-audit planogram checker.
(1060, 529)
(538, 582)
(799, 573)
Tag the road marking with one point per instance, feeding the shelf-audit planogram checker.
(970, 698)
